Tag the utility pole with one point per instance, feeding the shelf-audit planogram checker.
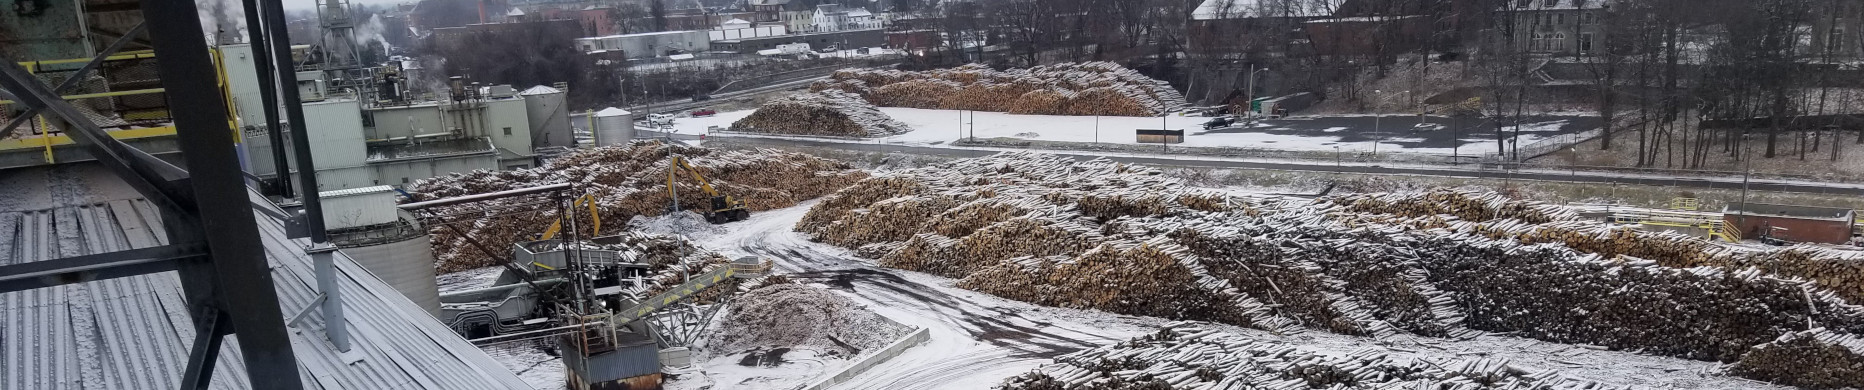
(1747, 170)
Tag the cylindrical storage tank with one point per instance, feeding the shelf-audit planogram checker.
(549, 116)
(613, 126)
(404, 261)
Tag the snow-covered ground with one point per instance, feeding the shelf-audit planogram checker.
(1353, 134)
(978, 340)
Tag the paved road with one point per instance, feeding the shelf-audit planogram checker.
(1733, 183)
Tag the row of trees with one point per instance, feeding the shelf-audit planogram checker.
(1677, 81)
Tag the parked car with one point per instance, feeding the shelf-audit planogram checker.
(660, 120)
(1220, 122)
(704, 112)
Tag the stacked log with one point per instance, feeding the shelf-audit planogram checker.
(626, 181)
(1814, 359)
(1092, 88)
(1121, 238)
(1183, 356)
(828, 112)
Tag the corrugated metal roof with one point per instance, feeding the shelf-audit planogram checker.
(134, 333)
(539, 90)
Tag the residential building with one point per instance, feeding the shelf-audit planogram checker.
(1553, 27)
(1836, 30)
(829, 18)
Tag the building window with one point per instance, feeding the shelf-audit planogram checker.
(1836, 40)
(1559, 42)
(1559, 19)
(1585, 42)
(508, 131)
(1550, 3)
(404, 180)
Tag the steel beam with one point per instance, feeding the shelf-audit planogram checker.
(268, 96)
(79, 74)
(241, 277)
(39, 274)
(274, 11)
(204, 351)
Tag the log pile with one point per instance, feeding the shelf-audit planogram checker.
(827, 112)
(1815, 359)
(1184, 356)
(1108, 236)
(627, 181)
(1090, 88)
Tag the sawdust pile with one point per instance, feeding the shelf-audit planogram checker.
(828, 112)
(1088, 88)
(798, 316)
(626, 182)
(1102, 235)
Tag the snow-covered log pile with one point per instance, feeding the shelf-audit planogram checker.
(627, 181)
(1840, 271)
(1184, 356)
(788, 315)
(828, 112)
(1817, 359)
(1088, 88)
(1108, 236)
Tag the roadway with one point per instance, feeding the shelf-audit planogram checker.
(1471, 171)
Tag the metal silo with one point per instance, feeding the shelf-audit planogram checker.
(549, 115)
(366, 225)
(613, 126)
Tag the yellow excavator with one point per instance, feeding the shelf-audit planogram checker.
(724, 207)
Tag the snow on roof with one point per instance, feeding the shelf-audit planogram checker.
(515, 12)
(769, 2)
(135, 332)
(736, 21)
(680, 57)
(1363, 19)
(539, 90)
(1550, 5)
(859, 12)
(611, 111)
(1243, 9)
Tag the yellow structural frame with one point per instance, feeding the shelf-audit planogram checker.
(48, 142)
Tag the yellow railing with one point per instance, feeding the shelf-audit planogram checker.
(129, 123)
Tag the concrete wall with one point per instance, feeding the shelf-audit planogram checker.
(510, 128)
(394, 173)
(403, 121)
(243, 83)
(862, 364)
(407, 265)
(335, 128)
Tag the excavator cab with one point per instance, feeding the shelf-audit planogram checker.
(724, 207)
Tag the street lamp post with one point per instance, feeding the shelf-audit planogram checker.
(1251, 93)
(1378, 112)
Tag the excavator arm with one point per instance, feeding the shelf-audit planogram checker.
(724, 207)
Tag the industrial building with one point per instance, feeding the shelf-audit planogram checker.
(844, 39)
(648, 45)
(135, 238)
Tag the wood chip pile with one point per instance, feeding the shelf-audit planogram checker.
(1126, 239)
(798, 316)
(828, 112)
(627, 181)
(1088, 88)
(1184, 356)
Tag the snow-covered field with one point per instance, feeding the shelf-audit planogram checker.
(1351, 134)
